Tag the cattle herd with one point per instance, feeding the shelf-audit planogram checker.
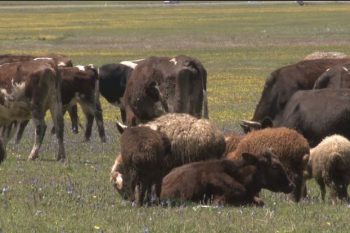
(170, 152)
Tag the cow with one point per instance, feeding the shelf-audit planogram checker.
(162, 84)
(27, 90)
(112, 84)
(61, 60)
(80, 85)
(317, 114)
(335, 77)
(284, 82)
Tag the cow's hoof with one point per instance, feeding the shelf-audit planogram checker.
(61, 159)
(75, 130)
(32, 157)
(103, 139)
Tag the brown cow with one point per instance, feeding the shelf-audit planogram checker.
(80, 85)
(226, 182)
(162, 84)
(27, 90)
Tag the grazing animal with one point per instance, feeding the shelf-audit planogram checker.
(335, 77)
(329, 164)
(325, 55)
(223, 181)
(316, 119)
(59, 59)
(283, 83)
(27, 90)
(79, 85)
(190, 140)
(160, 84)
(290, 147)
(144, 154)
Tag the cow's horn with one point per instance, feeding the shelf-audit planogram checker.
(251, 123)
(121, 127)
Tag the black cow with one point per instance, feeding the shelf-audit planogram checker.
(284, 82)
(162, 84)
(336, 77)
(317, 114)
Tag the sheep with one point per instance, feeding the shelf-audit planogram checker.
(329, 164)
(291, 148)
(223, 181)
(140, 164)
(191, 139)
(146, 159)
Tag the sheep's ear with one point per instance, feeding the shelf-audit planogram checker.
(305, 160)
(250, 158)
(121, 127)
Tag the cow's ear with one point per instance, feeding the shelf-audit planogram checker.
(267, 156)
(250, 158)
(121, 127)
(266, 123)
(152, 90)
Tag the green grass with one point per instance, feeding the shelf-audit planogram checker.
(238, 44)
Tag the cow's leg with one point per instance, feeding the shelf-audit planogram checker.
(56, 110)
(20, 130)
(40, 127)
(89, 115)
(99, 121)
(73, 114)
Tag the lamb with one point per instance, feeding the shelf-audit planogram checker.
(151, 150)
(329, 164)
(236, 182)
(290, 147)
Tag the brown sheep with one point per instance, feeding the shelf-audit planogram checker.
(236, 182)
(143, 152)
(290, 147)
(329, 164)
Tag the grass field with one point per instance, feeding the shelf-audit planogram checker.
(239, 44)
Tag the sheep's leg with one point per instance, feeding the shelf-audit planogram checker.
(139, 194)
(322, 188)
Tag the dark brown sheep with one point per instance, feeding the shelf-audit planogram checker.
(143, 152)
(223, 181)
(290, 147)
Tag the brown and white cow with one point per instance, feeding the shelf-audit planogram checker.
(27, 90)
(162, 84)
(80, 85)
(59, 59)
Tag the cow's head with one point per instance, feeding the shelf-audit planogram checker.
(270, 172)
(151, 104)
(276, 93)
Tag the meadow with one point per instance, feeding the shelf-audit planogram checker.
(239, 44)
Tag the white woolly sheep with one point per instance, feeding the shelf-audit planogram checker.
(329, 164)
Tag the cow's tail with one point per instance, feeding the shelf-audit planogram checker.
(205, 95)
